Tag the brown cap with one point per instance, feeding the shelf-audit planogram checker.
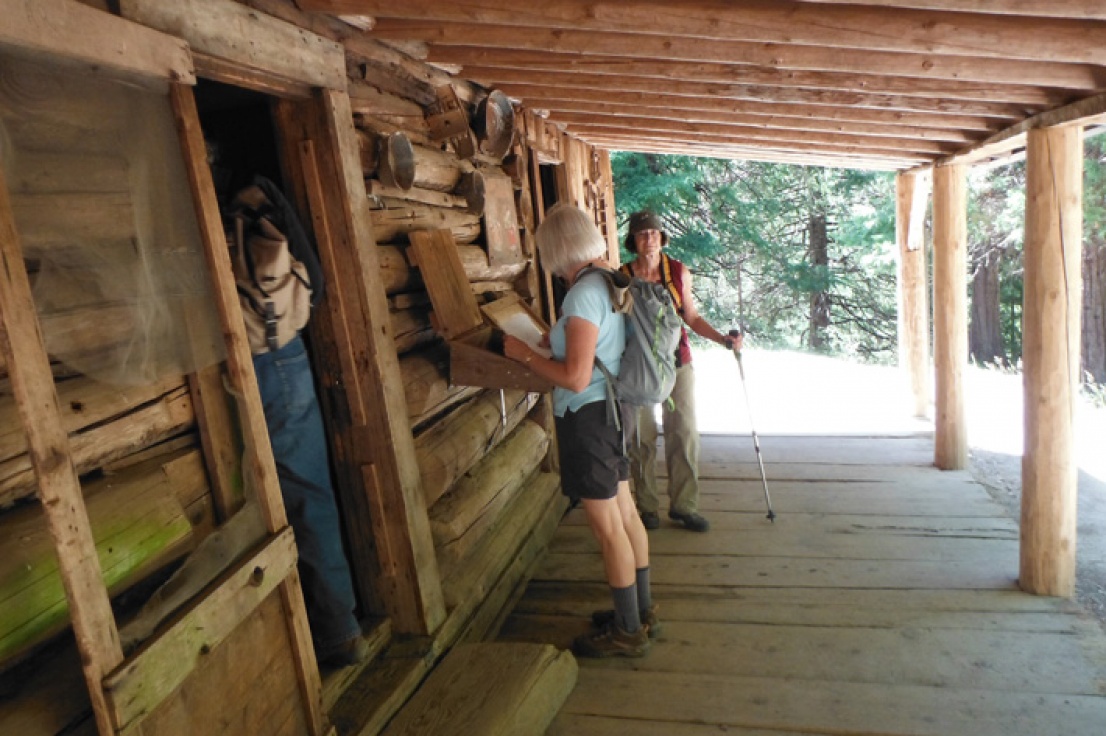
(644, 220)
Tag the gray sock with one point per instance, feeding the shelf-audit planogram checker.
(625, 608)
(644, 594)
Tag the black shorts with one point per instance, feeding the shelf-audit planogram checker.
(590, 448)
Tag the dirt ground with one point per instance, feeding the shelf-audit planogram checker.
(1000, 474)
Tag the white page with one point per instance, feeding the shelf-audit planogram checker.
(521, 325)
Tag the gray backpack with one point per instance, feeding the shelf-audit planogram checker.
(653, 327)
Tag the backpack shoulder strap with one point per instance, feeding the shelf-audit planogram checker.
(669, 283)
(300, 244)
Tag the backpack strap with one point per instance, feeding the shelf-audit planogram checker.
(669, 283)
(617, 301)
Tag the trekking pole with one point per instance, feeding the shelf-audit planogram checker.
(756, 440)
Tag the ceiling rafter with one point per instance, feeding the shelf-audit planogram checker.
(863, 83)
(776, 21)
(441, 35)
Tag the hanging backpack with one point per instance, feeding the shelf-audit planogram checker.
(275, 269)
(648, 368)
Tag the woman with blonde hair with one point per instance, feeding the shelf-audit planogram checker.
(594, 466)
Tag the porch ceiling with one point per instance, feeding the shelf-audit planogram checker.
(890, 84)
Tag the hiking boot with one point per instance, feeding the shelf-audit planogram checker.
(612, 641)
(650, 519)
(690, 520)
(348, 653)
(649, 619)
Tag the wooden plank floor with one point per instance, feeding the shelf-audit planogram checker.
(881, 601)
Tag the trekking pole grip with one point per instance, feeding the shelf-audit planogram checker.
(734, 334)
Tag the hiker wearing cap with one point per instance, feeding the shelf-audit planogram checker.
(646, 239)
(594, 468)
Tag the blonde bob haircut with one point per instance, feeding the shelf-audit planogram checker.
(567, 237)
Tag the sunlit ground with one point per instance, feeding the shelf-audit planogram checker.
(799, 393)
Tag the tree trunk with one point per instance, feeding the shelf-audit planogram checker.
(819, 299)
(984, 321)
(1094, 312)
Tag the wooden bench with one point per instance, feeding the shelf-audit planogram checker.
(490, 689)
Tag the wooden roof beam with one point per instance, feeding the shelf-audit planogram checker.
(748, 154)
(1086, 112)
(563, 109)
(443, 34)
(752, 136)
(794, 147)
(717, 73)
(491, 76)
(536, 96)
(1078, 9)
(773, 21)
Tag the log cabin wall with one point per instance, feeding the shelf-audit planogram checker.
(163, 453)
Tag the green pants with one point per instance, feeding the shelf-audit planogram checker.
(681, 450)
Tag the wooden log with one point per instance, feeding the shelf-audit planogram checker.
(912, 194)
(397, 218)
(82, 402)
(381, 123)
(71, 172)
(477, 573)
(398, 275)
(366, 100)
(379, 190)
(138, 523)
(496, 606)
(89, 337)
(411, 328)
(460, 518)
(438, 170)
(46, 696)
(1052, 318)
(41, 94)
(359, 46)
(50, 220)
(56, 28)
(168, 416)
(396, 81)
(426, 384)
(254, 41)
(950, 315)
(490, 689)
(452, 446)
(369, 707)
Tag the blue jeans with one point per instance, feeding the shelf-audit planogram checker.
(299, 447)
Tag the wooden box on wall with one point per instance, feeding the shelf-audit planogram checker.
(475, 346)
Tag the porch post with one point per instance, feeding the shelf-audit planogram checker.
(1050, 355)
(950, 315)
(912, 193)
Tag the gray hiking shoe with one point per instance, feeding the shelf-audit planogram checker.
(690, 520)
(612, 641)
(649, 619)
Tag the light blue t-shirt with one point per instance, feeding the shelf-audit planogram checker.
(589, 299)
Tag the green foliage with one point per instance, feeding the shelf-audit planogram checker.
(744, 229)
(996, 231)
